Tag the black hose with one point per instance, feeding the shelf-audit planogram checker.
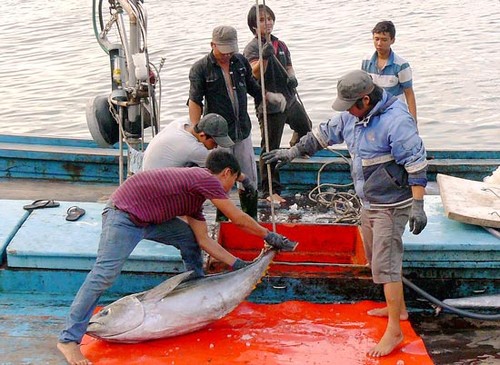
(98, 13)
(460, 312)
(493, 231)
(101, 21)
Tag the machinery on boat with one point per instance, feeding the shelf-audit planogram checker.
(133, 103)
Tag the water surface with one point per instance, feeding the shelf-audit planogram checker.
(51, 63)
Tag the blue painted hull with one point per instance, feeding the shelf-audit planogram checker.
(449, 259)
(80, 160)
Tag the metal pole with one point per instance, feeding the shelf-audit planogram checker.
(120, 131)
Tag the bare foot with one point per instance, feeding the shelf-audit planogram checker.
(72, 353)
(387, 344)
(275, 199)
(383, 312)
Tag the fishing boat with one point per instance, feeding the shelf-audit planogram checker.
(45, 257)
(311, 305)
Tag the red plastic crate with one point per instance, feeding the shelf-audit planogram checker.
(322, 249)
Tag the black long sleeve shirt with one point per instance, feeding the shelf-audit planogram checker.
(207, 82)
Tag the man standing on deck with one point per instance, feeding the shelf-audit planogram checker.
(147, 206)
(388, 70)
(389, 170)
(222, 80)
(279, 77)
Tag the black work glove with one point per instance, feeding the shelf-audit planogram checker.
(248, 185)
(292, 82)
(280, 156)
(239, 264)
(280, 242)
(418, 219)
(267, 50)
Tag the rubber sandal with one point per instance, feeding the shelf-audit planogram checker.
(74, 213)
(41, 204)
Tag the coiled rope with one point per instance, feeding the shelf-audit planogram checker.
(345, 205)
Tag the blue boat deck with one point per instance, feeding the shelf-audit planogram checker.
(46, 240)
(45, 259)
(41, 251)
(445, 243)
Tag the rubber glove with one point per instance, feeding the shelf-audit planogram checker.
(267, 50)
(280, 242)
(276, 102)
(292, 82)
(248, 185)
(418, 219)
(239, 264)
(282, 156)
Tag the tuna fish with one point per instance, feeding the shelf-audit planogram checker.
(178, 305)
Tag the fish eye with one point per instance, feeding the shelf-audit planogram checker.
(105, 312)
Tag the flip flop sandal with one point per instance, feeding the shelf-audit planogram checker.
(74, 213)
(41, 204)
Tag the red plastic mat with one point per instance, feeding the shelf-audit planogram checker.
(272, 334)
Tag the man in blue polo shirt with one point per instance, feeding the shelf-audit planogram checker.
(388, 70)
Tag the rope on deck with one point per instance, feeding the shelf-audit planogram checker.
(345, 205)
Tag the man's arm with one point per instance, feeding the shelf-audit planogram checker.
(196, 91)
(251, 53)
(253, 87)
(256, 68)
(195, 111)
(307, 145)
(411, 101)
(240, 218)
(418, 192)
(209, 245)
(246, 223)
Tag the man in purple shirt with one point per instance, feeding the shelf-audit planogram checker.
(148, 206)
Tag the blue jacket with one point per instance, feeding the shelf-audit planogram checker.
(388, 155)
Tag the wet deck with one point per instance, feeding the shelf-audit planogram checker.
(29, 334)
(285, 333)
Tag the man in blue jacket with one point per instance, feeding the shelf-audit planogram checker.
(389, 170)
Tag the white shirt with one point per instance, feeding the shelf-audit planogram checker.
(174, 146)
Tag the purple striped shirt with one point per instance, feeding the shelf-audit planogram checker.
(159, 195)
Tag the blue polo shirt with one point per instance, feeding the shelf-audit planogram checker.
(394, 77)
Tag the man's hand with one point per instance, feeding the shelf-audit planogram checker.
(249, 186)
(239, 264)
(276, 102)
(280, 156)
(418, 219)
(267, 50)
(280, 242)
(292, 82)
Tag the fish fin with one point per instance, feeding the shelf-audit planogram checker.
(161, 290)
